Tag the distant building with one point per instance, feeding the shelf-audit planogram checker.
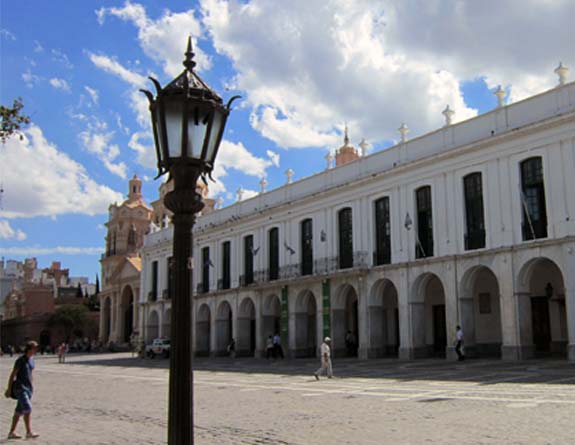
(121, 265)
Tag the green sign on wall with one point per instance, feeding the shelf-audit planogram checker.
(325, 292)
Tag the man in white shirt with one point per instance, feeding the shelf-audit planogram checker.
(459, 343)
(325, 360)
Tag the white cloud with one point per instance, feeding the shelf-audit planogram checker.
(237, 157)
(61, 250)
(60, 84)
(112, 66)
(164, 39)
(93, 93)
(40, 180)
(274, 157)
(309, 65)
(30, 79)
(38, 48)
(7, 34)
(249, 194)
(60, 57)
(97, 140)
(146, 154)
(7, 232)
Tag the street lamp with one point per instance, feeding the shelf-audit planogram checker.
(188, 119)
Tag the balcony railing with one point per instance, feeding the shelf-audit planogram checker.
(152, 296)
(166, 294)
(203, 288)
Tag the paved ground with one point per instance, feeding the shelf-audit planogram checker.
(114, 399)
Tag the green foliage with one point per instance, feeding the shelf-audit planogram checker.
(12, 120)
(70, 317)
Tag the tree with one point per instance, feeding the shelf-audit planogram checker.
(12, 120)
(70, 317)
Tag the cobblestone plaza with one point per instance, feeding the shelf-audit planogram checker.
(116, 399)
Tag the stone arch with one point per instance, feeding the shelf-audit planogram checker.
(541, 289)
(224, 327)
(167, 324)
(153, 326)
(127, 305)
(428, 318)
(203, 330)
(345, 321)
(383, 311)
(107, 320)
(246, 343)
(271, 316)
(305, 324)
(480, 312)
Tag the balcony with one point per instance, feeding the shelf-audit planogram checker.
(203, 288)
(152, 296)
(166, 294)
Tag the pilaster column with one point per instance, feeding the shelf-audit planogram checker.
(569, 283)
(363, 318)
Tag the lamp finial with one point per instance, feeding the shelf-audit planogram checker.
(189, 60)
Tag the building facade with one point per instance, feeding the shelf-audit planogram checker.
(472, 224)
(121, 266)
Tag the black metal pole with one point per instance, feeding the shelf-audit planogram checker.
(185, 203)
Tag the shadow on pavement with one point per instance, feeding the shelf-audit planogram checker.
(485, 372)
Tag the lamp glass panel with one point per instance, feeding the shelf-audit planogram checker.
(160, 136)
(173, 112)
(216, 128)
(196, 135)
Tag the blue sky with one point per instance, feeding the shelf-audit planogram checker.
(303, 69)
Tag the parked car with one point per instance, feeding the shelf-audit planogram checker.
(160, 346)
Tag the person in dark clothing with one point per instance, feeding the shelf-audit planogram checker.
(20, 387)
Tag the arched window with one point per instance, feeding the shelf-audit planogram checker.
(533, 199)
(382, 254)
(424, 241)
(274, 254)
(226, 265)
(474, 219)
(306, 235)
(248, 259)
(345, 227)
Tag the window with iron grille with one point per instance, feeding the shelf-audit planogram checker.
(205, 269)
(424, 242)
(474, 218)
(274, 254)
(382, 232)
(249, 259)
(533, 199)
(345, 227)
(306, 247)
(170, 266)
(226, 265)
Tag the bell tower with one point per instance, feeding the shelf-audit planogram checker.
(135, 191)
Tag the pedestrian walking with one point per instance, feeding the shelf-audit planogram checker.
(62, 353)
(459, 344)
(270, 349)
(20, 388)
(278, 350)
(325, 360)
(232, 348)
(11, 350)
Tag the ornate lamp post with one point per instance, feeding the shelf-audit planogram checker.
(188, 119)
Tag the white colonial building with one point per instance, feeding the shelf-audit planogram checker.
(472, 224)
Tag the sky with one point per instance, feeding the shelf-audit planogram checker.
(304, 68)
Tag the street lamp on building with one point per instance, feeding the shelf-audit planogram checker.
(188, 120)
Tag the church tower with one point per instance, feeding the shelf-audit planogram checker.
(346, 153)
(122, 265)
